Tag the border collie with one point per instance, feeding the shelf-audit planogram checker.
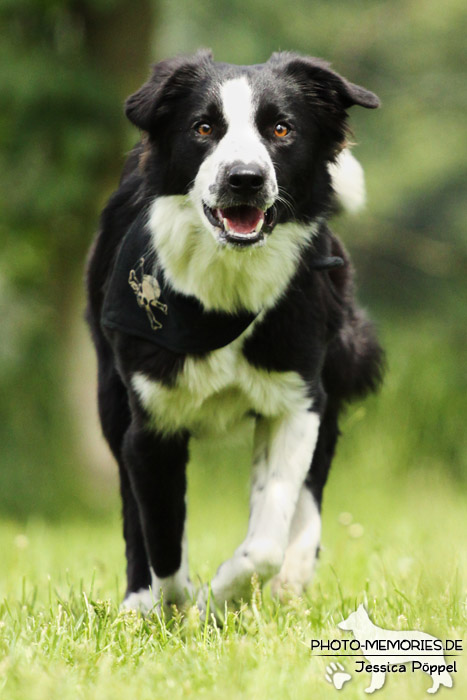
(216, 291)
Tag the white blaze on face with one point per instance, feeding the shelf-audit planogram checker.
(240, 145)
(242, 141)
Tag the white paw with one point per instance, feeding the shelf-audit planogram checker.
(337, 675)
(296, 573)
(284, 588)
(202, 600)
(233, 579)
(266, 556)
(142, 601)
(176, 593)
(207, 605)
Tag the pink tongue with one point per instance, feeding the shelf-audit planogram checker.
(242, 219)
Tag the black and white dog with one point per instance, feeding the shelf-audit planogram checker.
(216, 291)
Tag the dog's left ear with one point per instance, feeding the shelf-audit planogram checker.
(319, 80)
(167, 80)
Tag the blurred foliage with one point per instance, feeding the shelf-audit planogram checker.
(65, 68)
(61, 140)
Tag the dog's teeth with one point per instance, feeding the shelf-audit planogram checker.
(226, 224)
(259, 225)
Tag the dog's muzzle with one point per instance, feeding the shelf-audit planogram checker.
(244, 219)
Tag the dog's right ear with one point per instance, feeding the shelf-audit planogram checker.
(168, 78)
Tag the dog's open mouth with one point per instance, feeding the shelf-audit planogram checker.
(243, 224)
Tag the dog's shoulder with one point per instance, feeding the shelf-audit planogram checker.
(121, 210)
(313, 307)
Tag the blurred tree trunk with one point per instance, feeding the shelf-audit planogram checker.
(62, 143)
(119, 42)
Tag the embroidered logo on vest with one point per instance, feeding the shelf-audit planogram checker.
(147, 290)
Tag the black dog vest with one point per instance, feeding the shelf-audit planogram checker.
(139, 302)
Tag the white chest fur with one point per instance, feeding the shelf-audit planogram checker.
(214, 392)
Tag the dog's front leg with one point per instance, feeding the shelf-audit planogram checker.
(377, 681)
(283, 452)
(300, 557)
(156, 465)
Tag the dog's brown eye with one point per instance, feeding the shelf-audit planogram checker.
(281, 130)
(204, 129)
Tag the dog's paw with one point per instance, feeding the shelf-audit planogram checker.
(285, 588)
(202, 601)
(232, 581)
(295, 575)
(337, 675)
(208, 606)
(141, 601)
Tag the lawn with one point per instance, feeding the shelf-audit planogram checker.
(394, 538)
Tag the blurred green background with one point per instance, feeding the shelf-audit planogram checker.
(65, 69)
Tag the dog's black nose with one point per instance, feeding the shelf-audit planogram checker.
(246, 178)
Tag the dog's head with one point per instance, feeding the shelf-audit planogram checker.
(250, 145)
(356, 621)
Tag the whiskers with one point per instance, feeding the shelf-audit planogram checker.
(286, 200)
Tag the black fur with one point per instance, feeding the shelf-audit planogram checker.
(315, 329)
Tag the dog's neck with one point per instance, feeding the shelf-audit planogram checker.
(223, 279)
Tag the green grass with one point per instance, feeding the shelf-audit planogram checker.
(393, 538)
